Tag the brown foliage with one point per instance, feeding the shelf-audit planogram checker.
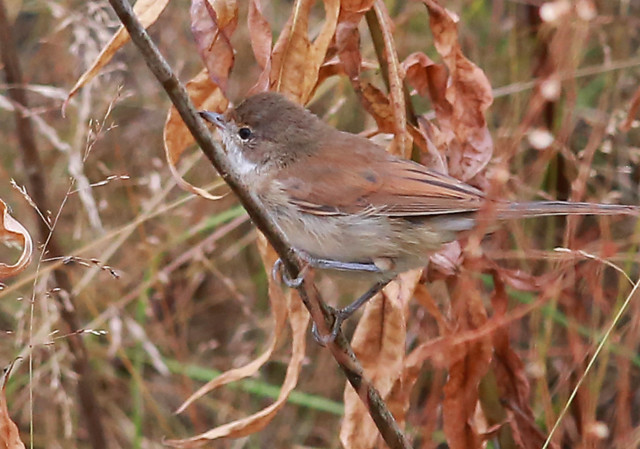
(12, 231)
(462, 324)
(9, 433)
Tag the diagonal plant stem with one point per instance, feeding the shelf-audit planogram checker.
(89, 404)
(340, 348)
(375, 28)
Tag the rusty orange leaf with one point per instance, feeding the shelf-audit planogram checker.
(177, 137)
(511, 377)
(296, 61)
(12, 231)
(378, 105)
(348, 45)
(147, 12)
(468, 363)
(289, 70)
(212, 24)
(9, 433)
(415, 66)
(462, 100)
(348, 36)
(261, 37)
(430, 156)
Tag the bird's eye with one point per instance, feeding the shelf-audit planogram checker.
(244, 133)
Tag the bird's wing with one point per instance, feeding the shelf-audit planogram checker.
(361, 178)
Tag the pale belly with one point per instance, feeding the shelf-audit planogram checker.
(405, 243)
(353, 238)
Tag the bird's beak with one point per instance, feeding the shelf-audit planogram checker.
(214, 118)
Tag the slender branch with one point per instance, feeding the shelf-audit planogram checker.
(378, 44)
(37, 189)
(340, 348)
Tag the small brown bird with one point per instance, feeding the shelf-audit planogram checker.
(344, 203)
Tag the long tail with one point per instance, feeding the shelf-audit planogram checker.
(547, 208)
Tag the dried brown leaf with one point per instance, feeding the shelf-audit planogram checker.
(467, 95)
(328, 69)
(12, 231)
(348, 46)
(296, 61)
(212, 24)
(177, 137)
(299, 321)
(9, 433)
(289, 71)
(378, 105)
(415, 68)
(348, 36)
(261, 37)
(379, 344)
(511, 377)
(147, 12)
(468, 363)
(430, 156)
(356, 6)
(279, 314)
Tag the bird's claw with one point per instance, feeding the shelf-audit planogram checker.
(278, 268)
(339, 316)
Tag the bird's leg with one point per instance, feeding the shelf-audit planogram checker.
(330, 264)
(325, 264)
(340, 315)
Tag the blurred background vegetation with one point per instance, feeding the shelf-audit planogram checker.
(190, 298)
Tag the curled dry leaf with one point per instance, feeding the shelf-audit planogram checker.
(379, 343)
(12, 231)
(348, 44)
(147, 12)
(430, 156)
(460, 99)
(212, 24)
(329, 69)
(348, 36)
(261, 37)
(278, 312)
(430, 78)
(389, 112)
(177, 138)
(468, 363)
(299, 321)
(296, 61)
(415, 67)
(378, 105)
(9, 433)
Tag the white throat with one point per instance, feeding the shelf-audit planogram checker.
(240, 163)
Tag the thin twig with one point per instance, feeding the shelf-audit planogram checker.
(340, 348)
(603, 341)
(378, 44)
